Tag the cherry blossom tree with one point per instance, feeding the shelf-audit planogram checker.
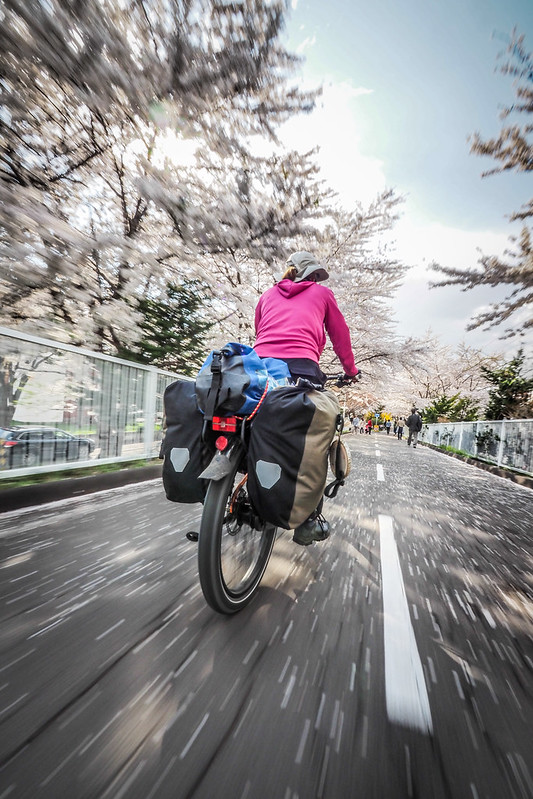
(513, 151)
(88, 92)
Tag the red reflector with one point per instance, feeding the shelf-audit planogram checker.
(227, 423)
(221, 443)
(10, 443)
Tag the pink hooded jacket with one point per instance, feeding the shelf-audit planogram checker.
(290, 319)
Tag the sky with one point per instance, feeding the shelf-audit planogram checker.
(404, 86)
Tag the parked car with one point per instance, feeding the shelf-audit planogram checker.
(33, 446)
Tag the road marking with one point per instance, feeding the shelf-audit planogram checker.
(114, 627)
(458, 684)
(380, 475)
(489, 618)
(405, 687)
(320, 709)
(303, 741)
(194, 736)
(282, 675)
(352, 677)
(12, 663)
(185, 663)
(250, 652)
(323, 772)
(13, 704)
(287, 632)
(288, 690)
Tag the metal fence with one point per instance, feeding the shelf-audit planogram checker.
(63, 407)
(505, 443)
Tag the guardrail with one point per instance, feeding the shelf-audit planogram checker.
(64, 407)
(507, 443)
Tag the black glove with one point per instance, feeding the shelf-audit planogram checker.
(352, 378)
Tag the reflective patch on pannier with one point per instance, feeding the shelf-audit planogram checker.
(179, 458)
(267, 474)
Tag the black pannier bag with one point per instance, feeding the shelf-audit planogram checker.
(288, 453)
(183, 453)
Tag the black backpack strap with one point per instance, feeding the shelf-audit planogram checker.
(331, 490)
(214, 391)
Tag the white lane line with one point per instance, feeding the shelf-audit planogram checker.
(250, 652)
(405, 687)
(380, 475)
(13, 704)
(114, 627)
(303, 740)
(288, 690)
(352, 677)
(194, 736)
(12, 663)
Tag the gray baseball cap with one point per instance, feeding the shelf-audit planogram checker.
(307, 265)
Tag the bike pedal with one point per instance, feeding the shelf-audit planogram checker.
(192, 536)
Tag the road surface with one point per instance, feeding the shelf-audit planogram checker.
(393, 660)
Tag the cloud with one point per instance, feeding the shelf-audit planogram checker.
(420, 243)
(332, 127)
(445, 311)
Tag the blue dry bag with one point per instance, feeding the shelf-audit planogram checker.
(232, 380)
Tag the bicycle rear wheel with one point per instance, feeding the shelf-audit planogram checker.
(234, 546)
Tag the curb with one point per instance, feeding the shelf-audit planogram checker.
(522, 479)
(42, 493)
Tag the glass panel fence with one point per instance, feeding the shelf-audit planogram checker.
(506, 443)
(61, 406)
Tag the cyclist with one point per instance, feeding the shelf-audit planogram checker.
(291, 322)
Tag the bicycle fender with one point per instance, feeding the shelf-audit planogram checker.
(221, 463)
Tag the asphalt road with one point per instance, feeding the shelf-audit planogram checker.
(393, 660)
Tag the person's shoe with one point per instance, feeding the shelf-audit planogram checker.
(316, 528)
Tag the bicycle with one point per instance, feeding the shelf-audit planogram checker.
(234, 543)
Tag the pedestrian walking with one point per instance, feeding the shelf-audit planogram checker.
(388, 425)
(414, 424)
(399, 428)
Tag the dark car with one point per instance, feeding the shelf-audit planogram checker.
(33, 446)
